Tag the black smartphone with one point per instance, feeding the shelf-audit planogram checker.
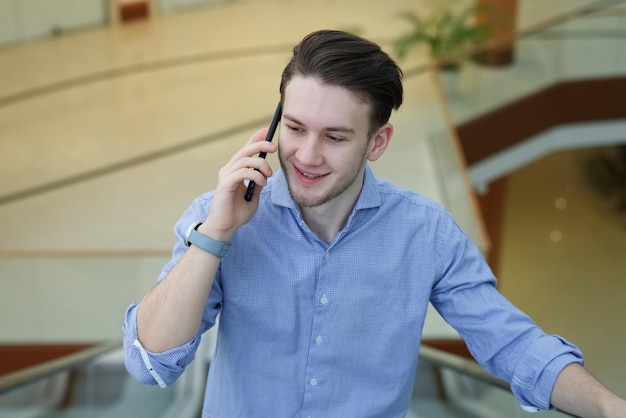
(270, 135)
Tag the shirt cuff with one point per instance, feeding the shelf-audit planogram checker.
(148, 364)
(547, 379)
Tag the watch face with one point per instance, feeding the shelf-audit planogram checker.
(208, 244)
(193, 226)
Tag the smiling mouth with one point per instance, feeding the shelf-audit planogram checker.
(310, 176)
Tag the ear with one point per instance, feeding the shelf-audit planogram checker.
(380, 142)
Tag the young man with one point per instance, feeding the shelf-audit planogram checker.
(324, 290)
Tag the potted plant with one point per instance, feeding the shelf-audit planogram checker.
(445, 31)
(605, 169)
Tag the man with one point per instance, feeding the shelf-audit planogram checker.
(324, 290)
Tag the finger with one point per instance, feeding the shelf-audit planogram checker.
(258, 171)
(258, 135)
(259, 143)
(255, 145)
(253, 162)
(245, 169)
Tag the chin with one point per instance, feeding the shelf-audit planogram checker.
(307, 201)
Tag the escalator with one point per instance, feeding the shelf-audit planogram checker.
(95, 384)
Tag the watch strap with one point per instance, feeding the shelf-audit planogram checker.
(206, 243)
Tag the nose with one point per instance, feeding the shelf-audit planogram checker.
(309, 151)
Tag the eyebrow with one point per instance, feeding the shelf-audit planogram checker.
(342, 129)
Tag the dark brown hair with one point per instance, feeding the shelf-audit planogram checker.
(349, 61)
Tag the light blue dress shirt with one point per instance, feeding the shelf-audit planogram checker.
(308, 329)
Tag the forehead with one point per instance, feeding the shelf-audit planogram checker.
(311, 101)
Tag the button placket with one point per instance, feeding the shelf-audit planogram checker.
(320, 322)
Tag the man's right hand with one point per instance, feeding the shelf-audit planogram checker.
(171, 312)
(229, 210)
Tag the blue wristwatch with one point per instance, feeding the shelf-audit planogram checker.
(208, 244)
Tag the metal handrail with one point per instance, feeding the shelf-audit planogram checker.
(444, 360)
(461, 365)
(31, 374)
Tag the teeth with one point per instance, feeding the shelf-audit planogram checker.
(309, 176)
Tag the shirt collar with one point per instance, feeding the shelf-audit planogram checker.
(368, 198)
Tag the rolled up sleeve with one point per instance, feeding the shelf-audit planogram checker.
(537, 371)
(503, 339)
(153, 368)
(164, 368)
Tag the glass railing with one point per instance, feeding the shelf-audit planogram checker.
(583, 45)
(93, 383)
(461, 388)
(586, 43)
(81, 296)
(71, 296)
(23, 377)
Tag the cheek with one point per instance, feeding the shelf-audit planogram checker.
(282, 149)
(286, 146)
(350, 156)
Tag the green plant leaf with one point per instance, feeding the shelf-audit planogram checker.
(444, 31)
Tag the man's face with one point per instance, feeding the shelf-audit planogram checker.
(323, 143)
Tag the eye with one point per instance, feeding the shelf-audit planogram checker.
(293, 128)
(333, 138)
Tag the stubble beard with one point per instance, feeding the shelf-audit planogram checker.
(343, 183)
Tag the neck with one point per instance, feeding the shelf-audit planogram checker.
(326, 220)
(325, 223)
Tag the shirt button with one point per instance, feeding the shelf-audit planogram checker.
(318, 340)
(327, 255)
(323, 300)
(313, 382)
